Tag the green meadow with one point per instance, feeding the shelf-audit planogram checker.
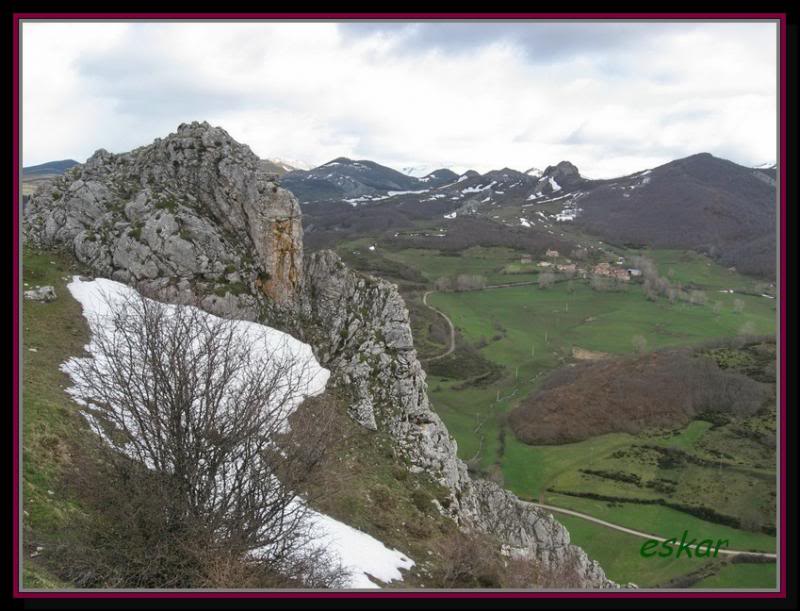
(529, 331)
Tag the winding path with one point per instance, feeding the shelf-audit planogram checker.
(577, 514)
(636, 533)
(452, 342)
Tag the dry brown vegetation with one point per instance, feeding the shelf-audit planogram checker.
(660, 389)
(198, 482)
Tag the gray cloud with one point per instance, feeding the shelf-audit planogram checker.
(542, 41)
(606, 95)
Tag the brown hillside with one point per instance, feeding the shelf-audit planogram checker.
(660, 389)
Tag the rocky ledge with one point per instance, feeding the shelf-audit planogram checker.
(192, 215)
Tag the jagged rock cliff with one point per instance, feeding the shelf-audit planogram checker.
(193, 216)
(195, 208)
(360, 328)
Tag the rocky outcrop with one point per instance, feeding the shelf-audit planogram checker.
(193, 212)
(45, 294)
(564, 172)
(360, 329)
(195, 216)
(362, 334)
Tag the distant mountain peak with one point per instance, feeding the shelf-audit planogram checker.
(49, 168)
(562, 169)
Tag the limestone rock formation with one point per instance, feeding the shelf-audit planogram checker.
(195, 209)
(45, 294)
(360, 329)
(196, 217)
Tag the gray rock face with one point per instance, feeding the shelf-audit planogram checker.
(360, 329)
(195, 218)
(44, 294)
(365, 338)
(195, 206)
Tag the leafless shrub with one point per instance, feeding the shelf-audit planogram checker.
(443, 283)
(697, 297)
(469, 282)
(203, 479)
(467, 560)
(546, 280)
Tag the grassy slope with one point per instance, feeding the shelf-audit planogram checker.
(368, 487)
(743, 575)
(51, 332)
(619, 555)
(493, 263)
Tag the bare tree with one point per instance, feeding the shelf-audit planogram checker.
(579, 254)
(546, 280)
(470, 282)
(639, 343)
(195, 409)
(698, 297)
(443, 283)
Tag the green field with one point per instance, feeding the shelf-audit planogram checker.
(664, 522)
(498, 265)
(529, 331)
(618, 554)
(742, 576)
(518, 335)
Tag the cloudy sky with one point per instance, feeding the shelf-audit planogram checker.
(612, 98)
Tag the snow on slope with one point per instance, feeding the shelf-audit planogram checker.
(419, 171)
(290, 164)
(357, 552)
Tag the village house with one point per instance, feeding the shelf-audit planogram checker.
(553, 254)
(545, 264)
(634, 273)
(525, 259)
(569, 268)
(606, 270)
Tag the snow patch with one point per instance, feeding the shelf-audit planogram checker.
(393, 193)
(359, 553)
(479, 188)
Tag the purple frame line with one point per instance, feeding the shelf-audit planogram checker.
(781, 17)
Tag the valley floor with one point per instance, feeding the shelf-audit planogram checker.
(507, 340)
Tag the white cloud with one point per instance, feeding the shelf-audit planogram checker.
(315, 91)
